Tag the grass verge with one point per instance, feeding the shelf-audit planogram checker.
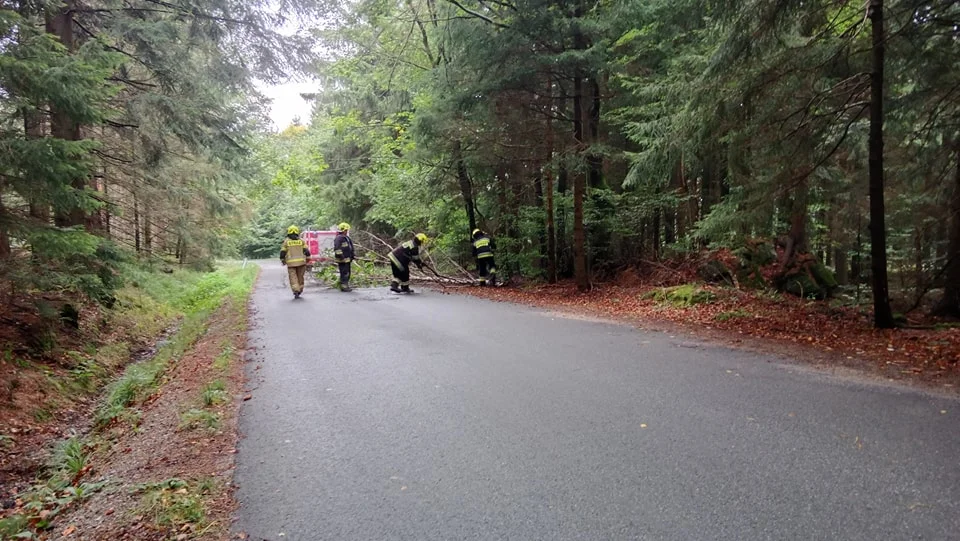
(151, 304)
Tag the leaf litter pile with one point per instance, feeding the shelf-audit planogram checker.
(842, 335)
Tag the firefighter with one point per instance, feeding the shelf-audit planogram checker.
(294, 255)
(343, 254)
(400, 259)
(483, 252)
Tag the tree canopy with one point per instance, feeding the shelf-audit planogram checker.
(587, 137)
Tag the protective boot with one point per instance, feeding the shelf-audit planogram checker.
(346, 288)
(406, 289)
(395, 287)
(296, 294)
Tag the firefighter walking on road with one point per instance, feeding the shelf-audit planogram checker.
(294, 255)
(483, 252)
(400, 259)
(343, 254)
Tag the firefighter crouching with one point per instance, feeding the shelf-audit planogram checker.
(343, 254)
(400, 259)
(294, 254)
(483, 252)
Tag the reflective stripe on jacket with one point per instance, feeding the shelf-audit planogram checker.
(343, 249)
(402, 255)
(294, 251)
(482, 247)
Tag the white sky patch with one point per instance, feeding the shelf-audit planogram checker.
(287, 104)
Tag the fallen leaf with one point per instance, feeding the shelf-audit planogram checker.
(247, 397)
(70, 529)
(643, 425)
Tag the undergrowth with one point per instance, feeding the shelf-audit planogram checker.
(683, 295)
(175, 504)
(148, 304)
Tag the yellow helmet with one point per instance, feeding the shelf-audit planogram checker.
(475, 231)
(421, 238)
(293, 230)
(344, 226)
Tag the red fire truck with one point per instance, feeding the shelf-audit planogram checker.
(320, 244)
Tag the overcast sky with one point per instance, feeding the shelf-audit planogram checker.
(287, 103)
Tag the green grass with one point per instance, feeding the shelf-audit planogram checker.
(231, 284)
(42, 414)
(16, 527)
(222, 362)
(70, 457)
(196, 418)
(215, 393)
(172, 504)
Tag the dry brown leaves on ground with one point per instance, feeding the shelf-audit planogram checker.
(782, 324)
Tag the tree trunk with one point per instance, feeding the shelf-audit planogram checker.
(655, 237)
(797, 238)
(551, 230)
(106, 208)
(548, 193)
(563, 254)
(136, 224)
(147, 232)
(4, 235)
(62, 126)
(678, 183)
(841, 265)
(949, 305)
(33, 129)
(594, 159)
(181, 249)
(669, 216)
(882, 315)
(579, 188)
(542, 233)
(466, 187)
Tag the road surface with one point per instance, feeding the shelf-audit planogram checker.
(432, 416)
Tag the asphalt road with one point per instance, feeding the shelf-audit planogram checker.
(432, 416)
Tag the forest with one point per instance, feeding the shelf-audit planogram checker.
(778, 176)
(811, 147)
(808, 147)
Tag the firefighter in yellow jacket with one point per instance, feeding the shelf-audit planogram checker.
(294, 254)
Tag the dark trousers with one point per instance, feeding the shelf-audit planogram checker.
(344, 273)
(401, 276)
(487, 270)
